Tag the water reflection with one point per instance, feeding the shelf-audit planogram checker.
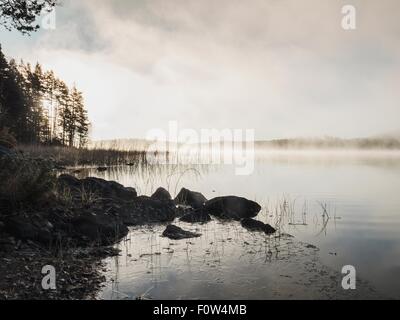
(346, 204)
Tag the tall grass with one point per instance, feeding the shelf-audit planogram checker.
(67, 156)
(23, 180)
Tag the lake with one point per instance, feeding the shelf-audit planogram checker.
(332, 208)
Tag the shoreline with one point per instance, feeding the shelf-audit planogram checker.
(72, 224)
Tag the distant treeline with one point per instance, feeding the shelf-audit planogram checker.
(36, 107)
(332, 143)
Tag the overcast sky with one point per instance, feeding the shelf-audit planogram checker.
(285, 68)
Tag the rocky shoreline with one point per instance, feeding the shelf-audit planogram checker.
(74, 228)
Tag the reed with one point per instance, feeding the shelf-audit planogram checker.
(72, 157)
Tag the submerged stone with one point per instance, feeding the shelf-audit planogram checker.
(176, 233)
(255, 225)
(196, 216)
(232, 207)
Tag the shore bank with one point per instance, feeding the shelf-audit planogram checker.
(72, 224)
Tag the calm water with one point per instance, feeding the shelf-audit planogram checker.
(358, 190)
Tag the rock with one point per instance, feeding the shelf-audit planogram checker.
(66, 180)
(109, 189)
(21, 228)
(194, 199)
(176, 233)
(37, 228)
(161, 194)
(102, 169)
(232, 207)
(196, 216)
(147, 210)
(100, 187)
(100, 228)
(311, 246)
(255, 225)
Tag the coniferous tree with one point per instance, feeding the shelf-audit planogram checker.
(63, 102)
(37, 107)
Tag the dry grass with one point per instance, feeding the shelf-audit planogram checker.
(23, 180)
(66, 156)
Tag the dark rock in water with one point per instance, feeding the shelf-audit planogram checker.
(232, 207)
(255, 225)
(176, 233)
(99, 228)
(100, 187)
(146, 210)
(311, 246)
(196, 216)
(161, 194)
(191, 198)
(102, 169)
(109, 189)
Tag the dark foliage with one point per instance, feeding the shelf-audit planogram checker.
(22, 14)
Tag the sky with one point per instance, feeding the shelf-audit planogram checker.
(285, 68)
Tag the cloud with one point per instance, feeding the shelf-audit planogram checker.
(284, 68)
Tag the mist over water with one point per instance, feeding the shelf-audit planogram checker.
(358, 190)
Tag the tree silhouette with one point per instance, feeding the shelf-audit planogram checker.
(22, 14)
(37, 107)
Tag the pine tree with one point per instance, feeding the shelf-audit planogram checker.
(14, 104)
(82, 126)
(63, 101)
(49, 85)
(37, 107)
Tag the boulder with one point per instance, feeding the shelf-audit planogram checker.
(196, 216)
(147, 210)
(255, 225)
(66, 180)
(102, 188)
(107, 189)
(21, 228)
(35, 229)
(232, 207)
(191, 198)
(99, 228)
(161, 194)
(176, 233)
